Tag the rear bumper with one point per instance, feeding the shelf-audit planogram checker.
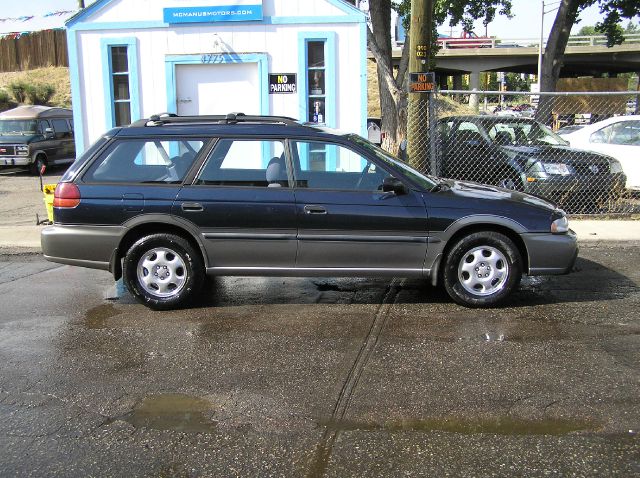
(84, 246)
(551, 254)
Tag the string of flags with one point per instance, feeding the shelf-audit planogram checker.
(27, 18)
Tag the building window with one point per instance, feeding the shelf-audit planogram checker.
(120, 78)
(121, 95)
(316, 77)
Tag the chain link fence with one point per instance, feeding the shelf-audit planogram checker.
(580, 150)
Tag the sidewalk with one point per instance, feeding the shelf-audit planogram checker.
(28, 237)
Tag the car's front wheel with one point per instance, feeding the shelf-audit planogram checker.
(163, 271)
(482, 269)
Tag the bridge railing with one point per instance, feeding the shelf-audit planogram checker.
(511, 140)
(574, 41)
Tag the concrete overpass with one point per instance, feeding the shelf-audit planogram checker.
(584, 56)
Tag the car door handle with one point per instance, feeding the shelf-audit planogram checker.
(192, 207)
(314, 210)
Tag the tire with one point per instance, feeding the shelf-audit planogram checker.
(37, 165)
(163, 271)
(490, 254)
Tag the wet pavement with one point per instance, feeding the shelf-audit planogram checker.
(321, 377)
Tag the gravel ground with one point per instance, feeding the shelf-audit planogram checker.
(21, 198)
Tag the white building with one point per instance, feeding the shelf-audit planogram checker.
(129, 59)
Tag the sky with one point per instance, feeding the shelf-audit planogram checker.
(525, 24)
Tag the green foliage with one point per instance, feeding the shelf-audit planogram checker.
(40, 94)
(18, 91)
(463, 12)
(5, 100)
(33, 93)
(614, 11)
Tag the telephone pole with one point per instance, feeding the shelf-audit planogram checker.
(421, 104)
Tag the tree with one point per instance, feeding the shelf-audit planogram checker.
(568, 13)
(393, 88)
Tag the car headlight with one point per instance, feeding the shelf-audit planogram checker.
(22, 149)
(559, 169)
(560, 225)
(615, 166)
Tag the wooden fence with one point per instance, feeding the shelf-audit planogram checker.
(34, 50)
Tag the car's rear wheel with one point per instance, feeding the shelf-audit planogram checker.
(482, 269)
(163, 271)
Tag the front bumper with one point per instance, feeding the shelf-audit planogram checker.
(551, 254)
(588, 186)
(15, 161)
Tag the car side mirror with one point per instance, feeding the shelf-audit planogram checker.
(391, 184)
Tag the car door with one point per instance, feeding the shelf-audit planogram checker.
(48, 144)
(242, 204)
(64, 139)
(622, 141)
(469, 156)
(346, 222)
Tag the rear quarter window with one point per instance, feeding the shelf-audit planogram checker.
(144, 161)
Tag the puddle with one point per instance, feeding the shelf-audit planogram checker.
(332, 287)
(96, 318)
(494, 426)
(174, 412)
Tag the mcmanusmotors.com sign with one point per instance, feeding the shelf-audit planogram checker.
(216, 11)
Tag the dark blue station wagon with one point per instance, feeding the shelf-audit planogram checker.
(167, 200)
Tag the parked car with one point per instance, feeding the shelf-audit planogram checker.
(618, 137)
(524, 155)
(167, 200)
(569, 129)
(35, 137)
(466, 40)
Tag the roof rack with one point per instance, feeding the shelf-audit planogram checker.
(231, 118)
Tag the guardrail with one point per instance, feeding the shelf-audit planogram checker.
(574, 41)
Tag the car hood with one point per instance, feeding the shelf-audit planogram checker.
(18, 138)
(477, 196)
(557, 154)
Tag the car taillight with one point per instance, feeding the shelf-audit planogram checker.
(66, 195)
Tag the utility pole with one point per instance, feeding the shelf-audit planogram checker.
(81, 4)
(420, 127)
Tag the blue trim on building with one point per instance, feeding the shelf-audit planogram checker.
(171, 61)
(364, 102)
(87, 11)
(352, 14)
(330, 53)
(107, 78)
(346, 7)
(76, 97)
(265, 21)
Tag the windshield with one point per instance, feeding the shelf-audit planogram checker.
(8, 127)
(521, 133)
(427, 182)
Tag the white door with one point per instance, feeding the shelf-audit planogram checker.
(217, 89)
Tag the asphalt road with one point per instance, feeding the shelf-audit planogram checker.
(321, 377)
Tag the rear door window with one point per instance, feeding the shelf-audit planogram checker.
(159, 160)
(61, 128)
(248, 163)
